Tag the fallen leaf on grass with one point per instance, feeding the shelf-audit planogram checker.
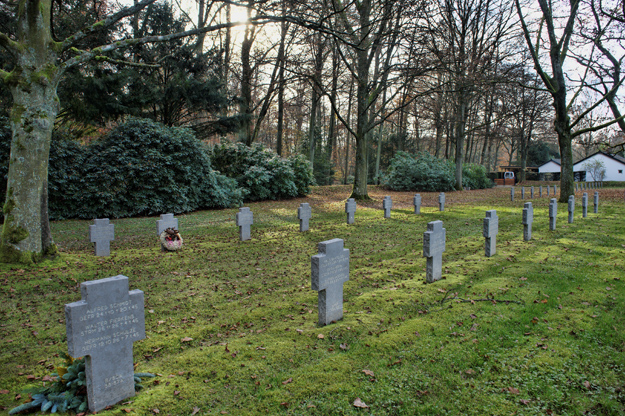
(195, 410)
(360, 403)
(320, 336)
(513, 390)
(344, 346)
(156, 411)
(290, 380)
(127, 410)
(369, 373)
(587, 384)
(186, 339)
(470, 371)
(524, 401)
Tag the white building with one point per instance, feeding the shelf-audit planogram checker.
(614, 167)
(550, 170)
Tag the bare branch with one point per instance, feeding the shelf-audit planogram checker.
(8, 44)
(595, 128)
(104, 24)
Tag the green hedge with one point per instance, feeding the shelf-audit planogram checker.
(144, 168)
(419, 172)
(261, 173)
(475, 176)
(139, 168)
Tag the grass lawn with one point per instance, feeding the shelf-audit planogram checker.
(231, 326)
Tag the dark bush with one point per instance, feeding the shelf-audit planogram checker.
(144, 168)
(475, 176)
(261, 173)
(419, 172)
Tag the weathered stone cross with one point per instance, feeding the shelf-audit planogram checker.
(329, 270)
(102, 326)
(433, 247)
(303, 214)
(244, 219)
(387, 204)
(102, 233)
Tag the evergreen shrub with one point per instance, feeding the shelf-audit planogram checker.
(261, 173)
(145, 168)
(419, 172)
(139, 168)
(475, 176)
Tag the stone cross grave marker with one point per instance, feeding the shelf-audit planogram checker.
(571, 208)
(596, 202)
(532, 192)
(512, 194)
(522, 192)
(303, 214)
(555, 190)
(547, 190)
(166, 221)
(102, 233)
(350, 209)
(585, 205)
(575, 186)
(553, 213)
(417, 203)
(433, 247)
(441, 201)
(491, 229)
(102, 326)
(540, 191)
(528, 219)
(244, 219)
(387, 204)
(329, 270)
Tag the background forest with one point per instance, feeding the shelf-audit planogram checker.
(347, 85)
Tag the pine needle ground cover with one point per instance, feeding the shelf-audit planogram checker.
(232, 326)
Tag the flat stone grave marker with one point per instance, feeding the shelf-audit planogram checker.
(416, 201)
(166, 221)
(304, 213)
(387, 204)
(522, 192)
(571, 208)
(433, 247)
(102, 233)
(553, 213)
(329, 270)
(441, 201)
(102, 327)
(596, 202)
(585, 205)
(512, 194)
(528, 219)
(350, 209)
(532, 192)
(244, 220)
(491, 229)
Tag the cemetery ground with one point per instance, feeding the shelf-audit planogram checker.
(232, 326)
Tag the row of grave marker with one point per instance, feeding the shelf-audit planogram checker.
(102, 232)
(579, 186)
(107, 320)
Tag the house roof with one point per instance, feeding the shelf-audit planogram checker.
(619, 159)
(556, 161)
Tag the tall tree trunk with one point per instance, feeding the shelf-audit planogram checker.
(460, 133)
(359, 191)
(347, 133)
(245, 106)
(33, 84)
(333, 92)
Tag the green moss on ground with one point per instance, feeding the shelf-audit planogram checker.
(535, 329)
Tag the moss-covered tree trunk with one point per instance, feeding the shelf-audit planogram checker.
(359, 190)
(33, 84)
